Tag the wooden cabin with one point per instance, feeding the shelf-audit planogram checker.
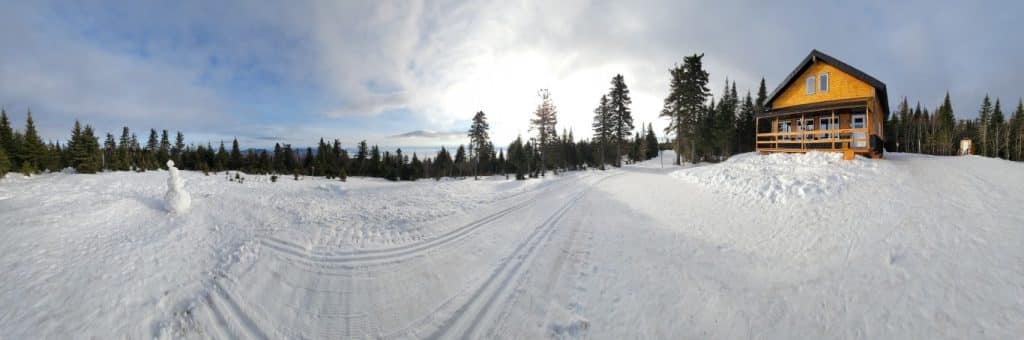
(825, 105)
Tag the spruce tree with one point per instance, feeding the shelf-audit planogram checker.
(746, 128)
(5, 163)
(235, 160)
(32, 149)
(762, 97)
(362, 152)
(996, 133)
(6, 134)
(164, 152)
(687, 94)
(984, 115)
(179, 148)
(651, 140)
(544, 121)
(109, 153)
(124, 160)
(1016, 133)
(603, 127)
(478, 140)
(622, 117)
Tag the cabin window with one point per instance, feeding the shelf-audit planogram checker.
(810, 85)
(809, 126)
(823, 82)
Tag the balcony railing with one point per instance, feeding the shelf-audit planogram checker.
(835, 139)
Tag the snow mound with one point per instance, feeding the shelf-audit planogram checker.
(781, 177)
(176, 199)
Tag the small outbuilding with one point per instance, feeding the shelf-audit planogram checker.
(825, 105)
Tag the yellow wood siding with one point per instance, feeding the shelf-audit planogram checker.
(841, 86)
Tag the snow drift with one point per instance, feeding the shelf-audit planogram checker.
(781, 177)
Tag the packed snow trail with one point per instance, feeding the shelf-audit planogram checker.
(783, 246)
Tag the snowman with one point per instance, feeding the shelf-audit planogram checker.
(176, 199)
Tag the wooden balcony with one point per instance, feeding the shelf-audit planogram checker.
(815, 140)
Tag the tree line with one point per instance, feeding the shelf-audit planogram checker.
(939, 132)
(530, 158)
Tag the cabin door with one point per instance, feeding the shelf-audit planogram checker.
(859, 121)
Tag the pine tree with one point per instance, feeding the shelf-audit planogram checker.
(652, 147)
(362, 152)
(5, 163)
(235, 159)
(762, 97)
(124, 161)
(603, 127)
(32, 149)
(621, 115)
(996, 134)
(984, 115)
(179, 148)
(164, 152)
(544, 121)
(724, 124)
(746, 128)
(109, 153)
(946, 123)
(1016, 133)
(478, 139)
(221, 160)
(687, 93)
(6, 135)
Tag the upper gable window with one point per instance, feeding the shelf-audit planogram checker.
(823, 82)
(810, 85)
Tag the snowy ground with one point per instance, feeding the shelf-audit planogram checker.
(781, 246)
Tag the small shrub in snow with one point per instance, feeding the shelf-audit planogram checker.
(273, 178)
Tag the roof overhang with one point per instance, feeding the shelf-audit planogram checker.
(817, 107)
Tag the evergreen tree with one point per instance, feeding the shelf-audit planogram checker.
(221, 160)
(621, 115)
(544, 121)
(996, 126)
(478, 139)
(109, 153)
(5, 163)
(375, 164)
(984, 115)
(179, 148)
(123, 160)
(1016, 133)
(6, 135)
(362, 152)
(32, 149)
(946, 123)
(460, 161)
(687, 93)
(603, 127)
(762, 97)
(652, 142)
(235, 159)
(164, 151)
(746, 128)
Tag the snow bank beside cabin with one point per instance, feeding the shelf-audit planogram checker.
(781, 177)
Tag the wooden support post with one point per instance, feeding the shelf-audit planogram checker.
(832, 128)
(803, 132)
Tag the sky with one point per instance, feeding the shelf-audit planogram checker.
(413, 73)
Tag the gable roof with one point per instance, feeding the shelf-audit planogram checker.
(883, 96)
